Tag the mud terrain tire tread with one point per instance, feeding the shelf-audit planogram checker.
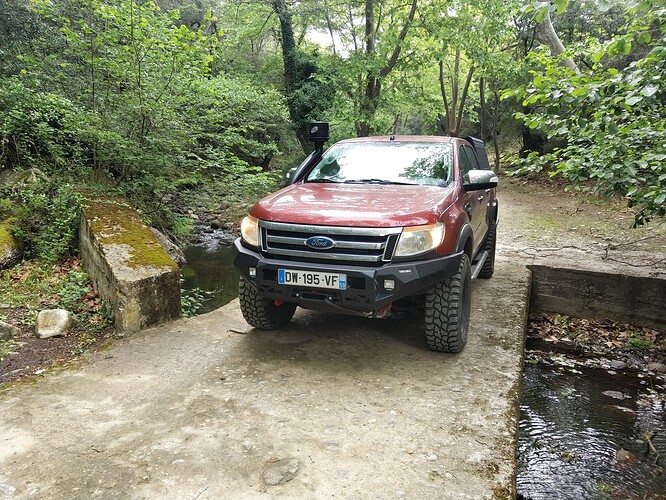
(261, 313)
(447, 310)
(489, 265)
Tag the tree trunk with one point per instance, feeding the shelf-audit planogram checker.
(482, 108)
(454, 107)
(546, 34)
(496, 126)
(369, 100)
(290, 58)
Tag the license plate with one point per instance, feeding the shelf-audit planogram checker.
(310, 278)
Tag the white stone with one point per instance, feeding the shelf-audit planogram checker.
(53, 323)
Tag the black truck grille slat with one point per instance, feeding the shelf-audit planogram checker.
(369, 246)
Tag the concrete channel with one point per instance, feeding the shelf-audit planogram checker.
(330, 407)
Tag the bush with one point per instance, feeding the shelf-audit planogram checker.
(48, 220)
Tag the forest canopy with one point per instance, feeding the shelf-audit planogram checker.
(165, 102)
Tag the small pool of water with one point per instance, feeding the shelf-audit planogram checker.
(210, 268)
(578, 443)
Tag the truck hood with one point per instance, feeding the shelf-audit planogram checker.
(360, 205)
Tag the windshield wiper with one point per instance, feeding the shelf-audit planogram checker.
(323, 180)
(377, 181)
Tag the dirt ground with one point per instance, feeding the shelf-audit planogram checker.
(541, 222)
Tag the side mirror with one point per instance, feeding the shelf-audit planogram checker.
(481, 179)
(289, 176)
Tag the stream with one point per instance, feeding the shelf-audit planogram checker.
(582, 431)
(582, 435)
(210, 269)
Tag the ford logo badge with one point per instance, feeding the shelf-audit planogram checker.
(320, 242)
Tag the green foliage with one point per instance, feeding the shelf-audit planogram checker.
(608, 123)
(38, 129)
(32, 285)
(48, 218)
(192, 300)
(122, 98)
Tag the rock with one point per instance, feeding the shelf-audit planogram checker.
(613, 394)
(216, 224)
(618, 365)
(657, 367)
(28, 177)
(172, 249)
(8, 331)
(53, 323)
(280, 471)
(623, 456)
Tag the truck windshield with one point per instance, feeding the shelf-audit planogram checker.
(386, 163)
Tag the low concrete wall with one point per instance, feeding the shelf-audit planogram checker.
(128, 266)
(597, 295)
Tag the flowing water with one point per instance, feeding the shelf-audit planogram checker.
(583, 435)
(210, 269)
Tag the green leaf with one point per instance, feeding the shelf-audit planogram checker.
(644, 37)
(649, 90)
(633, 100)
(561, 5)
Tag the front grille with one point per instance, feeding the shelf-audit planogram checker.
(350, 244)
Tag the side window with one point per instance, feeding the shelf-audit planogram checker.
(465, 165)
(471, 156)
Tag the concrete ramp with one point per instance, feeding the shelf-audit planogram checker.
(330, 407)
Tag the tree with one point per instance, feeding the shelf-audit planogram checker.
(610, 120)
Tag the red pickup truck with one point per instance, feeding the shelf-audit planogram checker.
(374, 226)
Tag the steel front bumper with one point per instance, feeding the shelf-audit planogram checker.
(367, 288)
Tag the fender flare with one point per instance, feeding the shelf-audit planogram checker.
(464, 235)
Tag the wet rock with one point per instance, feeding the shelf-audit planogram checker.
(216, 224)
(657, 367)
(53, 323)
(8, 331)
(280, 471)
(613, 394)
(618, 365)
(623, 456)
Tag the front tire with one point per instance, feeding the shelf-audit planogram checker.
(262, 313)
(447, 310)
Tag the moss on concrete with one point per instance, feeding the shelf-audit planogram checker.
(114, 223)
(9, 248)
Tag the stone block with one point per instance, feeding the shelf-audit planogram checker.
(128, 266)
(53, 323)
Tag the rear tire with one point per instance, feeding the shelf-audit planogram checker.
(447, 310)
(489, 265)
(262, 313)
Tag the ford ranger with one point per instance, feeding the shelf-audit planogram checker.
(374, 226)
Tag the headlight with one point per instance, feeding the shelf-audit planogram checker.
(419, 239)
(250, 231)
